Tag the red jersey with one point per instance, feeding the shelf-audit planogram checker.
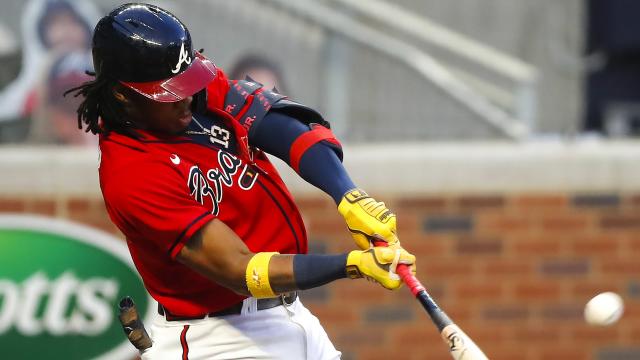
(160, 190)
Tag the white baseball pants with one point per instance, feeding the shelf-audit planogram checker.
(282, 332)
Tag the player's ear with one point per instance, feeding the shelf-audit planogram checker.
(119, 96)
(118, 93)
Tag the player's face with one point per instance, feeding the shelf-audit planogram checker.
(165, 118)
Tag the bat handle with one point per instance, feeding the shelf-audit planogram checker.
(404, 271)
(407, 277)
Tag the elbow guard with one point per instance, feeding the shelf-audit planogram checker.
(247, 102)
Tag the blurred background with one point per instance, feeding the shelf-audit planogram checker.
(502, 132)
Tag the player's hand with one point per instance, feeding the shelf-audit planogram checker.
(379, 264)
(367, 219)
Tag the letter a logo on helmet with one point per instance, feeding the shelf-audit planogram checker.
(138, 45)
(184, 57)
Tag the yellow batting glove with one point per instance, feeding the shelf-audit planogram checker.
(379, 264)
(367, 218)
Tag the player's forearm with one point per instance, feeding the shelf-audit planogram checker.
(300, 272)
(321, 168)
(220, 255)
(271, 274)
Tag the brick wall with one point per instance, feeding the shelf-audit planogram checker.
(514, 271)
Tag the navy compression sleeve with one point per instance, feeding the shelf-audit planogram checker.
(319, 166)
(312, 271)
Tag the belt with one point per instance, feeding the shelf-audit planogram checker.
(236, 309)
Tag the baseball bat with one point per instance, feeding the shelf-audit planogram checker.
(132, 325)
(460, 345)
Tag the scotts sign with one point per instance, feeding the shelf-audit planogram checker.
(60, 284)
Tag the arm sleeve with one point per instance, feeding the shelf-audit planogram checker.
(319, 165)
(154, 206)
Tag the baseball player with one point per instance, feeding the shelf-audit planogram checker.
(211, 227)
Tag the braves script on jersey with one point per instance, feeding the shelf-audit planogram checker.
(159, 191)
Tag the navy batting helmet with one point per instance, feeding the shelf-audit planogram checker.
(149, 50)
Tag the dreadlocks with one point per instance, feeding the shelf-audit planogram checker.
(100, 111)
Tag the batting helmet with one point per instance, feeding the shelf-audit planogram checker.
(149, 50)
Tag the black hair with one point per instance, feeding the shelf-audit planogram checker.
(100, 104)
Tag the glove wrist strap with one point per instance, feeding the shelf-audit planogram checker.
(355, 195)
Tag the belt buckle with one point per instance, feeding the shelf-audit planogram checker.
(288, 299)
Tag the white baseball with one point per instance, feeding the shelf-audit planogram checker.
(604, 309)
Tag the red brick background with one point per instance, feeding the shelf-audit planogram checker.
(513, 271)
